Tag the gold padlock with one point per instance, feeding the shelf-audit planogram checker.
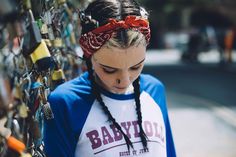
(61, 1)
(40, 52)
(57, 42)
(23, 110)
(72, 38)
(25, 155)
(27, 4)
(48, 42)
(58, 74)
(44, 29)
(17, 92)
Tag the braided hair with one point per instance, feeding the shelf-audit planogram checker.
(97, 14)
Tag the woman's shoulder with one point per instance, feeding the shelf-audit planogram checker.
(73, 90)
(149, 81)
(151, 85)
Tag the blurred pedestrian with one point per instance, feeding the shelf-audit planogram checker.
(113, 109)
(193, 46)
(229, 40)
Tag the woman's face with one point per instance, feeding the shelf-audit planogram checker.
(118, 68)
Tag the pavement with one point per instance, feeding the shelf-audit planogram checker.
(203, 124)
(201, 128)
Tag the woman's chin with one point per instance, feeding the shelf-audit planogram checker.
(119, 90)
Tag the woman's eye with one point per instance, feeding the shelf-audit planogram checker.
(135, 68)
(109, 71)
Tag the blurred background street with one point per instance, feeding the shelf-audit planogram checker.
(201, 100)
(192, 51)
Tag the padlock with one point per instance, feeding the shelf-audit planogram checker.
(47, 111)
(17, 92)
(15, 144)
(58, 75)
(40, 52)
(59, 2)
(44, 29)
(25, 155)
(40, 23)
(27, 4)
(23, 110)
(47, 17)
(48, 42)
(72, 38)
(41, 57)
(57, 42)
(32, 39)
(36, 48)
(50, 33)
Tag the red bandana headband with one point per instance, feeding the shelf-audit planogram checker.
(92, 41)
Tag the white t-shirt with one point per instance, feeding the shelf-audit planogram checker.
(81, 128)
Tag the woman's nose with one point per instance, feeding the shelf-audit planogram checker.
(124, 79)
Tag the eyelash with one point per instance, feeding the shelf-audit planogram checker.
(135, 68)
(109, 71)
(113, 71)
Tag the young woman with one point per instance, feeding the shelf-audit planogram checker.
(112, 110)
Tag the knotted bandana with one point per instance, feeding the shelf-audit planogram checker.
(92, 41)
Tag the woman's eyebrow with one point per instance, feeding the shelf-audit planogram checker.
(139, 62)
(118, 68)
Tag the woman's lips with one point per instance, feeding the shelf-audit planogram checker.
(121, 88)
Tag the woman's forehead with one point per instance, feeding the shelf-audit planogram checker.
(120, 58)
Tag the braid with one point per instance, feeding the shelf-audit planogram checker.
(138, 110)
(95, 90)
(98, 14)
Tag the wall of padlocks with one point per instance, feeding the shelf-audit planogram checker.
(38, 51)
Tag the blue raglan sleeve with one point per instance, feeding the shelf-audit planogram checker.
(170, 142)
(157, 90)
(161, 98)
(57, 134)
(70, 103)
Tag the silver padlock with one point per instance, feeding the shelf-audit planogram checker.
(48, 17)
(47, 111)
